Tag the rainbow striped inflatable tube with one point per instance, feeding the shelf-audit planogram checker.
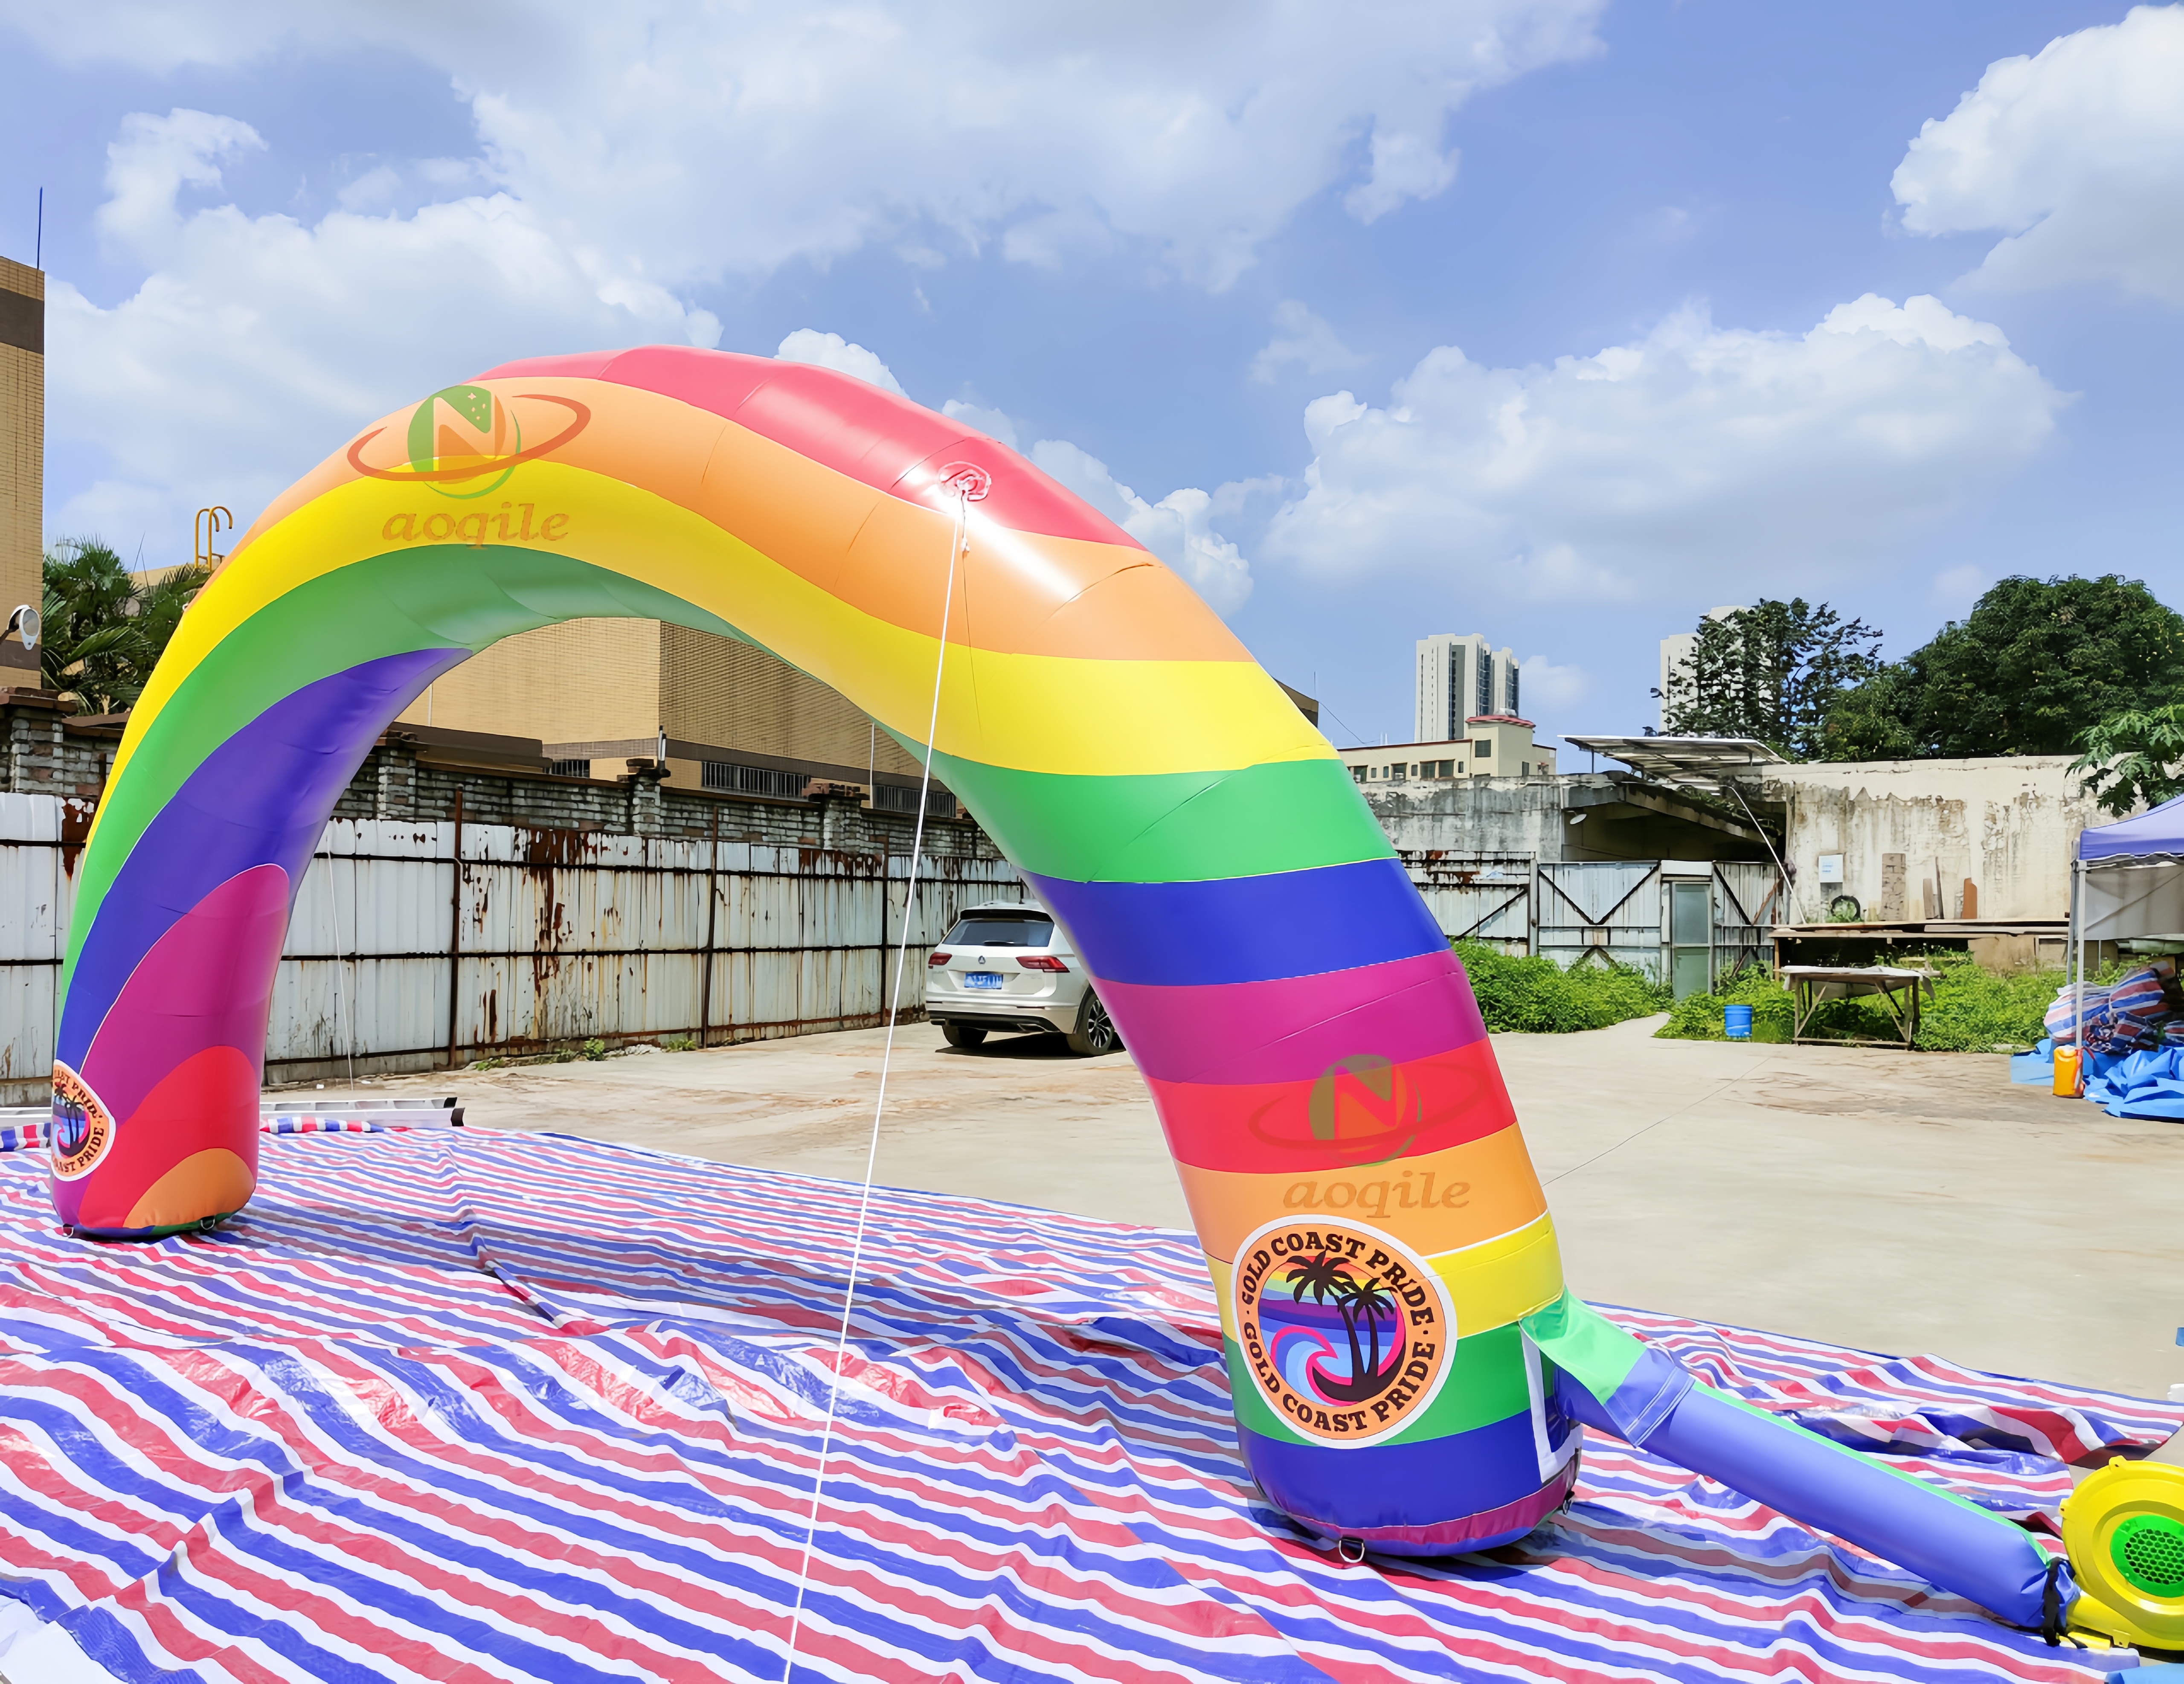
(1404, 1358)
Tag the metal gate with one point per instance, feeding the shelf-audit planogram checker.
(1599, 909)
(1747, 904)
(1477, 897)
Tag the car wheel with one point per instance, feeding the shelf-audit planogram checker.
(963, 1034)
(1094, 1033)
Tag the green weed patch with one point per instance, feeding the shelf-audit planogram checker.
(1537, 996)
(1973, 1009)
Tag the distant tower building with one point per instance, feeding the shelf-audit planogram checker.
(1461, 678)
(22, 458)
(1676, 649)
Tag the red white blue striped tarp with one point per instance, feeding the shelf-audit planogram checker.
(468, 1407)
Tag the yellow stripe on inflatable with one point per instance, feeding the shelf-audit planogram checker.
(1123, 717)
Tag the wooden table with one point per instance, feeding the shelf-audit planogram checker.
(1812, 986)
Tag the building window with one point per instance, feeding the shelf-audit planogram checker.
(1483, 749)
(893, 799)
(569, 768)
(753, 780)
(1361, 772)
(1447, 769)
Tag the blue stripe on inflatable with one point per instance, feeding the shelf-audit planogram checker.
(1378, 1484)
(1837, 1490)
(1245, 929)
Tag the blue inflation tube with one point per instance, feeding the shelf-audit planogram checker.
(1953, 1544)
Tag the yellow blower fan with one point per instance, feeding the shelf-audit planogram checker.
(2123, 1528)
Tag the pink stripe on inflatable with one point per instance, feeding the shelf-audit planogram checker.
(872, 435)
(1292, 1030)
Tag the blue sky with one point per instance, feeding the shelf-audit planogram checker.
(1554, 320)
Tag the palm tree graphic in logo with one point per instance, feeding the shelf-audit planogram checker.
(1325, 1278)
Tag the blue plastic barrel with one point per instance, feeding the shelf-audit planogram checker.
(1736, 1020)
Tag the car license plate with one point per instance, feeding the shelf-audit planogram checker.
(982, 979)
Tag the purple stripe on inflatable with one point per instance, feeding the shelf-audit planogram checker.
(1245, 929)
(1292, 1030)
(1408, 1498)
(1824, 1485)
(171, 1014)
(260, 799)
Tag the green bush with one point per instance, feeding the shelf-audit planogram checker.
(595, 1049)
(1698, 1016)
(1537, 996)
(1973, 1010)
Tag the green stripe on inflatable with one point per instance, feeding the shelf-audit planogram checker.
(426, 597)
(1178, 827)
(1598, 1355)
(1486, 1384)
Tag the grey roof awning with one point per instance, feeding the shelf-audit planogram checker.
(1702, 763)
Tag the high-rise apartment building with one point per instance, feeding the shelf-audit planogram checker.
(1676, 649)
(1458, 679)
(22, 458)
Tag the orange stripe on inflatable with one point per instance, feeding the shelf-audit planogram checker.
(1359, 1111)
(1035, 594)
(1435, 1201)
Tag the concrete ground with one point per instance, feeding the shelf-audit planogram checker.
(1900, 1202)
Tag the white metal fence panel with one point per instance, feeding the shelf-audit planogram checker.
(1747, 905)
(1477, 897)
(1588, 910)
(534, 938)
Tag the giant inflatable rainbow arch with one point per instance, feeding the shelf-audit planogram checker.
(1407, 1365)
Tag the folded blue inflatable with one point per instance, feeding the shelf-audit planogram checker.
(2148, 1083)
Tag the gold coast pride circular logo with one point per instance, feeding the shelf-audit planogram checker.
(1348, 1332)
(83, 1128)
(464, 441)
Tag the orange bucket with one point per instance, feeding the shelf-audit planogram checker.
(2067, 1084)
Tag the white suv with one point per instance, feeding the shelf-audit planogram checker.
(1008, 966)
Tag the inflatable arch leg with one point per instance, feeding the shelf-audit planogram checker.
(1404, 1359)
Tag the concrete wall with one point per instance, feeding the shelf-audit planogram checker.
(2010, 825)
(1579, 816)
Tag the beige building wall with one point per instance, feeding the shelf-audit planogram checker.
(2010, 824)
(717, 692)
(579, 680)
(604, 689)
(22, 456)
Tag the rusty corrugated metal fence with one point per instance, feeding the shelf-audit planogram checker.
(538, 939)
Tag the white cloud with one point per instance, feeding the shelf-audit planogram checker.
(1547, 687)
(737, 137)
(2076, 155)
(257, 342)
(831, 350)
(1178, 528)
(1300, 337)
(991, 422)
(1954, 591)
(1698, 454)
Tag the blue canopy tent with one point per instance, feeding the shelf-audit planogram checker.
(2127, 883)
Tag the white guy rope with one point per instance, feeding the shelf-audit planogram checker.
(958, 545)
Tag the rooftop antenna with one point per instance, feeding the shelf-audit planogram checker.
(38, 261)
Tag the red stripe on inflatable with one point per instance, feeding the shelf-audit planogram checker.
(1297, 1028)
(1364, 1110)
(854, 428)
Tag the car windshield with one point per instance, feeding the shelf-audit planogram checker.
(1001, 929)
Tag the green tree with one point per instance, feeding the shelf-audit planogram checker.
(2138, 755)
(104, 630)
(2034, 667)
(1771, 672)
